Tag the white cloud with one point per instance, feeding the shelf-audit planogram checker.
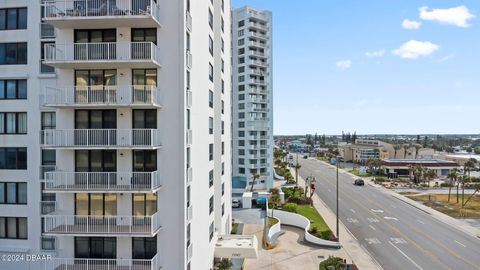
(344, 64)
(414, 49)
(458, 16)
(411, 25)
(378, 53)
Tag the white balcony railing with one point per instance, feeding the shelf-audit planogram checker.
(258, 35)
(189, 137)
(188, 57)
(95, 138)
(253, 81)
(102, 225)
(189, 174)
(188, 21)
(46, 168)
(102, 51)
(125, 95)
(257, 44)
(101, 264)
(189, 99)
(124, 182)
(189, 252)
(71, 9)
(189, 212)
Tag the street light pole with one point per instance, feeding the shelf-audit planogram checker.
(338, 231)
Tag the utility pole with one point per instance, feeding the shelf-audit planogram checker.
(338, 231)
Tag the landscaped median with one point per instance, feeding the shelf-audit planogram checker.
(302, 216)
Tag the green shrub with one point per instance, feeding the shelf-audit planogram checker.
(330, 263)
(290, 207)
(381, 179)
(313, 230)
(326, 234)
(299, 200)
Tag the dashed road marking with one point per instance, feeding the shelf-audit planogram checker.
(377, 210)
(373, 228)
(460, 244)
(419, 221)
(391, 218)
(405, 255)
(353, 211)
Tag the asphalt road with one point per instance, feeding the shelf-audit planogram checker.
(396, 234)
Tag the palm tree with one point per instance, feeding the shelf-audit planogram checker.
(255, 177)
(417, 148)
(224, 264)
(405, 149)
(411, 171)
(396, 147)
(297, 167)
(274, 199)
(453, 178)
(467, 167)
(429, 175)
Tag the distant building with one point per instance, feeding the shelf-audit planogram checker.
(364, 149)
(400, 166)
(461, 158)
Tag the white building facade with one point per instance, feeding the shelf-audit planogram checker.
(115, 132)
(252, 131)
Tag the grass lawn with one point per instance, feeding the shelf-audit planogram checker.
(234, 228)
(272, 221)
(315, 218)
(440, 203)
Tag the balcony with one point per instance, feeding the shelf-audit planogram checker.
(189, 137)
(189, 99)
(257, 63)
(188, 21)
(47, 207)
(258, 35)
(102, 264)
(102, 226)
(258, 54)
(102, 182)
(257, 44)
(188, 59)
(258, 26)
(100, 139)
(257, 90)
(259, 82)
(189, 212)
(103, 55)
(107, 13)
(189, 175)
(142, 96)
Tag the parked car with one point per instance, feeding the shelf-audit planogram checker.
(359, 182)
(305, 157)
(236, 203)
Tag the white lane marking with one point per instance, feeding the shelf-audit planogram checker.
(460, 243)
(373, 228)
(373, 220)
(352, 220)
(391, 218)
(393, 206)
(372, 241)
(412, 261)
(376, 210)
(420, 221)
(398, 240)
(353, 211)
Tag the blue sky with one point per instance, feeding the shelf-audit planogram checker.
(325, 82)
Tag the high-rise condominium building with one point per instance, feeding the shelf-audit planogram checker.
(114, 132)
(252, 97)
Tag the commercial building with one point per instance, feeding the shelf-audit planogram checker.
(401, 166)
(115, 118)
(252, 97)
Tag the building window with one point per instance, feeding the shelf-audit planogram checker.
(241, 87)
(13, 227)
(241, 124)
(241, 143)
(241, 23)
(223, 45)
(210, 178)
(241, 51)
(223, 189)
(210, 72)
(210, 151)
(13, 193)
(241, 60)
(241, 115)
(210, 98)
(241, 152)
(241, 69)
(241, 170)
(48, 120)
(45, 68)
(13, 123)
(13, 158)
(13, 18)
(144, 35)
(144, 248)
(222, 25)
(241, 42)
(13, 53)
(210, 45)
(13, 89)
(223, 209)
(210, 125)
(223, 66)
(223, 148)
(210, 19)
(240, 33)
(241, 161)
(210, 205)
(241, 97)
(223, 107)
(223, 168)
(223, 127)
(223, 86)
(241, 133)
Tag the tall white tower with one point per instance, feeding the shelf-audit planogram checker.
(116, 121)
(252, 97)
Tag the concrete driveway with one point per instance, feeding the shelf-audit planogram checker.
(248, 216)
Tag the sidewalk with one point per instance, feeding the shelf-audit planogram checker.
(356, 253)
